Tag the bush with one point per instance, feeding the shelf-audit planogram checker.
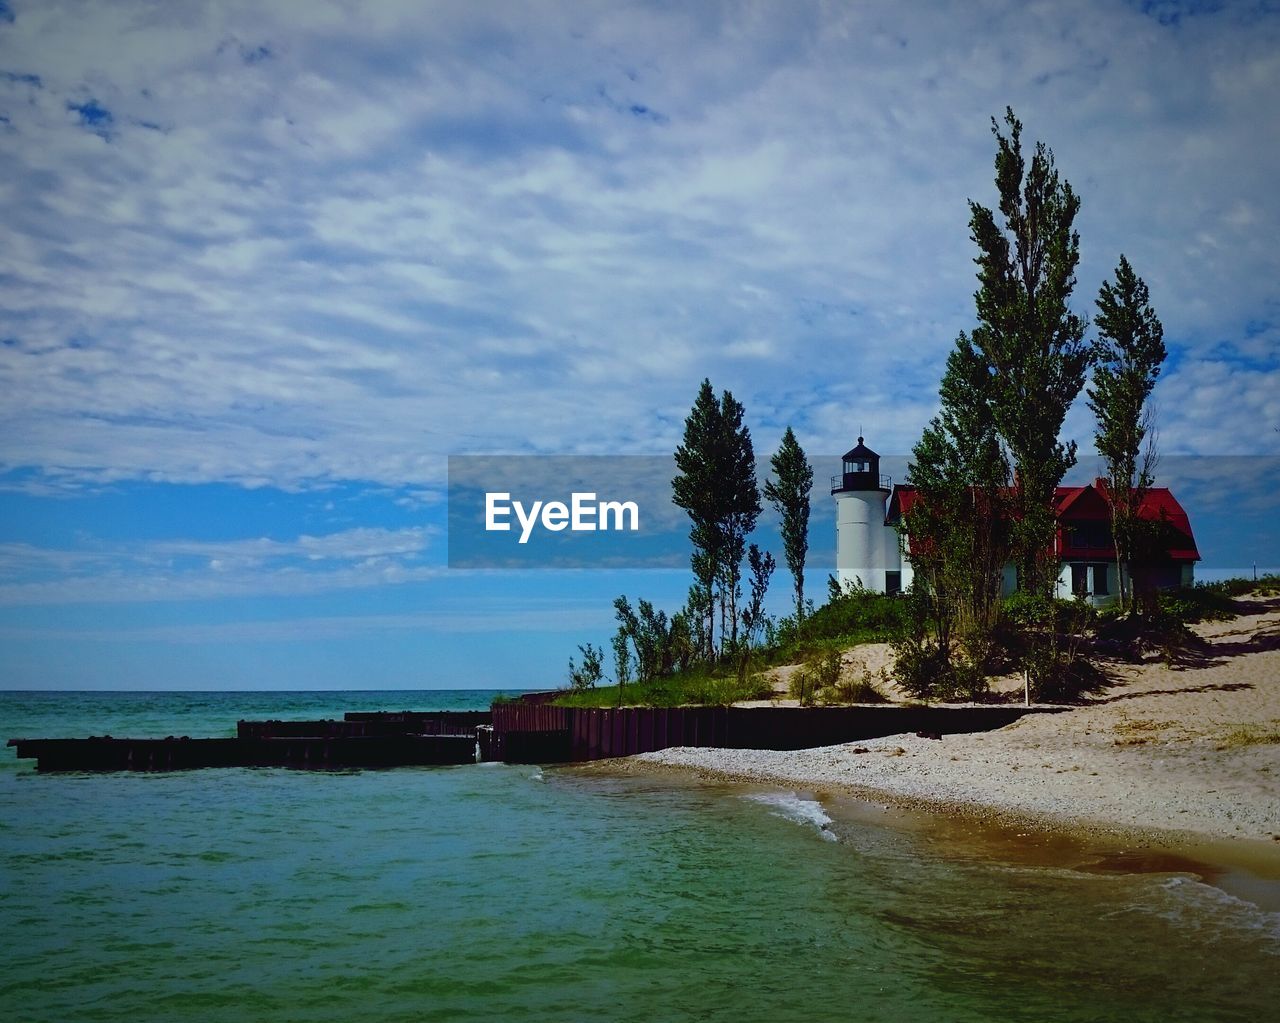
(821, 671)
(722, 690)
(859, 689)
(1211, 602)
(921, 667)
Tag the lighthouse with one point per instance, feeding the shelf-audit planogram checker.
(867, 551)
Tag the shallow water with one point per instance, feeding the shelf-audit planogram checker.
(495, 892)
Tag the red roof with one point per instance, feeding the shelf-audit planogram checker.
(1081, 506)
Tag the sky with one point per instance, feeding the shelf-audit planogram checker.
(264, 267)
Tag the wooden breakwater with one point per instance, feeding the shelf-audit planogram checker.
(105, 753)
(518, 732)
(357, 724)
(541, 733)
(396, 739)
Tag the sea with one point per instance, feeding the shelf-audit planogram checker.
(493, 892)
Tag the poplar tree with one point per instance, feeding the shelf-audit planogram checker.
(741, 507)
(696, 490)
(789, 495)
(1030, 340)
(716, 486)
(959, 527)
(1128, 353)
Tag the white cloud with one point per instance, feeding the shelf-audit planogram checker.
(167, 570)
(341, 246)
(558, 617)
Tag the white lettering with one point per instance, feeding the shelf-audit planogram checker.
(492, 511)
(526, 522)
(583, 514)
(579, 523)
(555, 516)
(617, 508)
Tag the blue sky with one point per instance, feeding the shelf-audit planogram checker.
(265, 267)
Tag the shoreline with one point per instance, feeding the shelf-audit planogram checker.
(1244, 868)
(1173, 763)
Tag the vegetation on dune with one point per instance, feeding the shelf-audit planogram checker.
(1081, 637)
(985, 473)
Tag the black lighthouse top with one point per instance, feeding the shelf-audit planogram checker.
(861, 471)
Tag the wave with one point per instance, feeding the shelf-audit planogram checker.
(1192, 903)
(793, 807)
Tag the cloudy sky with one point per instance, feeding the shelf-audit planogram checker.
(266, 266)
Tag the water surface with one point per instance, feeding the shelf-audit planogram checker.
(494, 892)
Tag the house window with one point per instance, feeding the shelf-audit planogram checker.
(1100, 587)
(1079, 578)
(892, 582)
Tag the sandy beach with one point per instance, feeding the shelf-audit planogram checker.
(1189, 751)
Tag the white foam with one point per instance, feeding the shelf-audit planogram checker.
(1194, 903)
(792, 807)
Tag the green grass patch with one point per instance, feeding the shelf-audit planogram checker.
(693, 687)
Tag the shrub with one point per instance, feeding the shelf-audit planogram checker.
(1211, 602)
(858, 689)
(591, 671)
(819, 672)
(921, 667)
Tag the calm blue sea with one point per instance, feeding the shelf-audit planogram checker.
(514, 893)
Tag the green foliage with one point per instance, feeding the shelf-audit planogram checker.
(1202, 603)
(715, 688)
(1030, 340)
(1045, 638)
(661, 645)
(857, 615)
(921, 667)
(789, 495)
(1212, 594)
(959, 528)
(621, 656)
(821, 671)
(762, 566)
(591, 671)
(716, 486)
(1128, 355)
(859, 688)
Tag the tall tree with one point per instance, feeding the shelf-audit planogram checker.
(959, 527)
(696, 489)
(789, 495)
(716, 486)
(1031, 341)
(741, 506)
(1128, 354)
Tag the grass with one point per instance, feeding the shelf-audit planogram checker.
(855, 618)
(864, 617)
(1136, 731)
(1215, 602)
(692, 687)
(1250, 735)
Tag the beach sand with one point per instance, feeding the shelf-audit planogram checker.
(1177, 757)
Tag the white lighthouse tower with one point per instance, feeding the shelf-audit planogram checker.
(867, 552)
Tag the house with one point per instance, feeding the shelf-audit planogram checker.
(872, 552)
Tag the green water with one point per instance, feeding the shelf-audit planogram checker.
(510, 893)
